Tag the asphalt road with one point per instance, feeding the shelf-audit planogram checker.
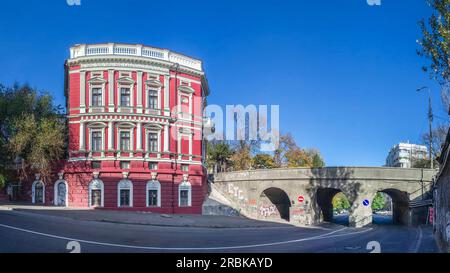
(32, 233)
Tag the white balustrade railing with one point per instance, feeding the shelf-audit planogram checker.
(133, 50)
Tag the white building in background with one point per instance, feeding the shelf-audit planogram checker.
(403, 155)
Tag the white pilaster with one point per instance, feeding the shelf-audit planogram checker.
(139, 92)
(166, 95)
(110, 136)
(82, 137)
(82, 91)
(166, 138)
(139, 137)
(111, 90)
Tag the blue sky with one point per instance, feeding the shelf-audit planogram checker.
(344, 73)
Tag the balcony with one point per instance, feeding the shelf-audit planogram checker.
(84, 50)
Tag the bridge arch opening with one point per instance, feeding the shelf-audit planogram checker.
(391, 206)
(275, 204)
(334, 205)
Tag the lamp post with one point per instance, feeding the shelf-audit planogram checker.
(430, 121)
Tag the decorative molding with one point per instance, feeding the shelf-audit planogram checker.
(154, 176)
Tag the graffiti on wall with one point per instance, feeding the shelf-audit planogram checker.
(268, 210)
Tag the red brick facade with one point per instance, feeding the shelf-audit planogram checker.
(135, 117)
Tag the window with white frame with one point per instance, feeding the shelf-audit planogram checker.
(125, 97)
(96, 141)
(125, 140)
(184, 195)
(153, 194)
(153, 99)
(153, 142)
(125, 193)
(96, 193)
(97, 95)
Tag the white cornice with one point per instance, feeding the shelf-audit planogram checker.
(116, 62)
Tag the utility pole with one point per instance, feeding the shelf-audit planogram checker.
(430, 121)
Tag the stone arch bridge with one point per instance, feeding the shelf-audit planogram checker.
(304, 195)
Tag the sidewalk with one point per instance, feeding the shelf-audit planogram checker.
(142, 218)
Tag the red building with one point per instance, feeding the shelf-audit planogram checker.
(135, 118)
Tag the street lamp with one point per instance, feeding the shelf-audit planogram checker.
(430, 120)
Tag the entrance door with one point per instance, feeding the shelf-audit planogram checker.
(39, 193)
(96, 198)
(62, 190)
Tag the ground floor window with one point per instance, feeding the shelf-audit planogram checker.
(152, 198)
(38, 192)
(96, 198)
(153, 194)
(96, 193)
(125, 193)
(185, 195)
(124, 198)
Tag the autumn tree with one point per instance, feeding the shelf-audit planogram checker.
(263, 161)
(242, 156)
(290, 155)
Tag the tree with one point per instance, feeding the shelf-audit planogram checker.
(218, 156)
(340, 202)
(439, 137)
(378, 202)
(298, 158)
(263, 161)
(242, 157)
(290, 155)
(435, 45)
(287, 143)
(317, 161)
(32, 131)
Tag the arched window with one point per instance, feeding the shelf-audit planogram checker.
(38, 192)
(96, 193)
(153, 190)
(185, 194)
(125, 193)
(61, 193)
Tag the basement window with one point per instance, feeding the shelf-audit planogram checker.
(96, 164)
(125, 165)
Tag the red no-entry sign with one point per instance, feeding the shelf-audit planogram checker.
(301, 199)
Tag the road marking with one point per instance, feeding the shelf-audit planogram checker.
(317, 237)
(418, 242)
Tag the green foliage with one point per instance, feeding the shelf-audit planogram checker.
(340, 202)
(435, 43)
(2, 181)
(32, 130)
(379, 201)
(218, 156)
(263, 161)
